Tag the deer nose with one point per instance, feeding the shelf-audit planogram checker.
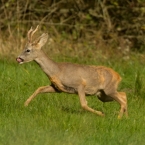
(19, 60)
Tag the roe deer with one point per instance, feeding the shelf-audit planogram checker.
(74, 78)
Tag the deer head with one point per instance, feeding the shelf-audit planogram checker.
(32, 48)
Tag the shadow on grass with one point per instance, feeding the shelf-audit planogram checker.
(72, 110)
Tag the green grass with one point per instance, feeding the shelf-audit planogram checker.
(57, 119)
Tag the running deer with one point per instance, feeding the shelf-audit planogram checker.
(73, 78)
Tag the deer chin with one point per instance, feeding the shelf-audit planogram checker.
(20, 60)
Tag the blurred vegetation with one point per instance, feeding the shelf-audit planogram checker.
(115, 24)
(100, 32)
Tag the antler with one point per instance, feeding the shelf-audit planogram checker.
(31, 33)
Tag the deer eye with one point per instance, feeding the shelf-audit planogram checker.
(27, 50)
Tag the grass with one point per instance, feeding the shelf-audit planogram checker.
(57, 119)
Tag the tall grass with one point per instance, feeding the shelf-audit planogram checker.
(57, 119)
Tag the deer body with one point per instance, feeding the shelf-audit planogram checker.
(67, 77)
(74, 78)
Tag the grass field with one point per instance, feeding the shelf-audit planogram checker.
(57, 119)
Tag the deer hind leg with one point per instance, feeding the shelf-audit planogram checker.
(120, 97)
(43, 89)
(81, 93)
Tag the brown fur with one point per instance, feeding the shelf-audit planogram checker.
(74, 78)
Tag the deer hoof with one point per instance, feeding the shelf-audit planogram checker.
(26, 104)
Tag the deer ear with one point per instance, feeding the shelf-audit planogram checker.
(41, 40)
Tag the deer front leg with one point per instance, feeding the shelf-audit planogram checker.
(43, 89)
(81, 93)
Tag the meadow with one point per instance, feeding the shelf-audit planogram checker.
(87, 32)
(57, 119)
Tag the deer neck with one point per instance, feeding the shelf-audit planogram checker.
(48, 66)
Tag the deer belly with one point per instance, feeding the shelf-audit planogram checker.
(90, 90)
(70, 89)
